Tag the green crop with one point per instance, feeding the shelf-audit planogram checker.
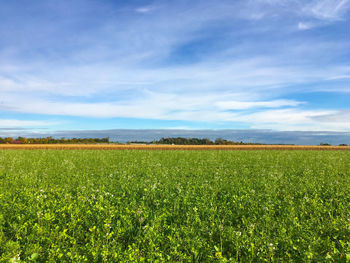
(174, 206)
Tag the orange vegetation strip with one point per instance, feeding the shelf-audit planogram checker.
(163, 147)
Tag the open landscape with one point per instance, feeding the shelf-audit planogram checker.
(174, 206)
(166, 147)
(174, 131)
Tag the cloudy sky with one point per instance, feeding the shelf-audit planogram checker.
(282, 65)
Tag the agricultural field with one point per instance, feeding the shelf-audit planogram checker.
(166, 147)
(174, 206)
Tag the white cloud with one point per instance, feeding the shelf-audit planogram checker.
(251, 76)
(328, 9)
(240, 105)
(190, 106)
(297, 120)
(145, 9)
(206, 107)
(13, 123)
(304, 26)
(202, 108)
(340, 117)
(340, 77)
(315, 12)
(123, 70)
(284, 116)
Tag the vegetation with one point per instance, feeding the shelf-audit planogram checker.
(193, 141)
(176, 141)
(165, 141)
(51, 140)
(174, 206)
(114, 146)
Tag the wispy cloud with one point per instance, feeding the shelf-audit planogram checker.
(340, 77)
(241, 105)
(12, 123)
(145, 9)
(304, 25)
(327, 9)
(221, 61)
(340, 117)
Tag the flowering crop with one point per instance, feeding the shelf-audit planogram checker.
(174, 206)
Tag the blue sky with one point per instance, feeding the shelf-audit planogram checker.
(282, 65)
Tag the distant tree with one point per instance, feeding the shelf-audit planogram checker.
(51, 140)
(196, 141)
(23, 140)
(8, 140)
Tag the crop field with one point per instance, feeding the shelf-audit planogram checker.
(174, 206)
(165, 147)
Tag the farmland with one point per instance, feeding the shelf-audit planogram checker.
(165, 147)
(174, 206)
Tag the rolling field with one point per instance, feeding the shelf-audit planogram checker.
(174, 206)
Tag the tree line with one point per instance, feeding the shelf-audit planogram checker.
(51, 140)
(194, 141)
(175, 141)
(169, 140)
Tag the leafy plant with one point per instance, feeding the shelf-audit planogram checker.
(174, 206)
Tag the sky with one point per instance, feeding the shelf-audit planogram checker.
(279, 65)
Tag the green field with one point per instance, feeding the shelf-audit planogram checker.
(174, 206)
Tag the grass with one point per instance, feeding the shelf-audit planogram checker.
(174, 206)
